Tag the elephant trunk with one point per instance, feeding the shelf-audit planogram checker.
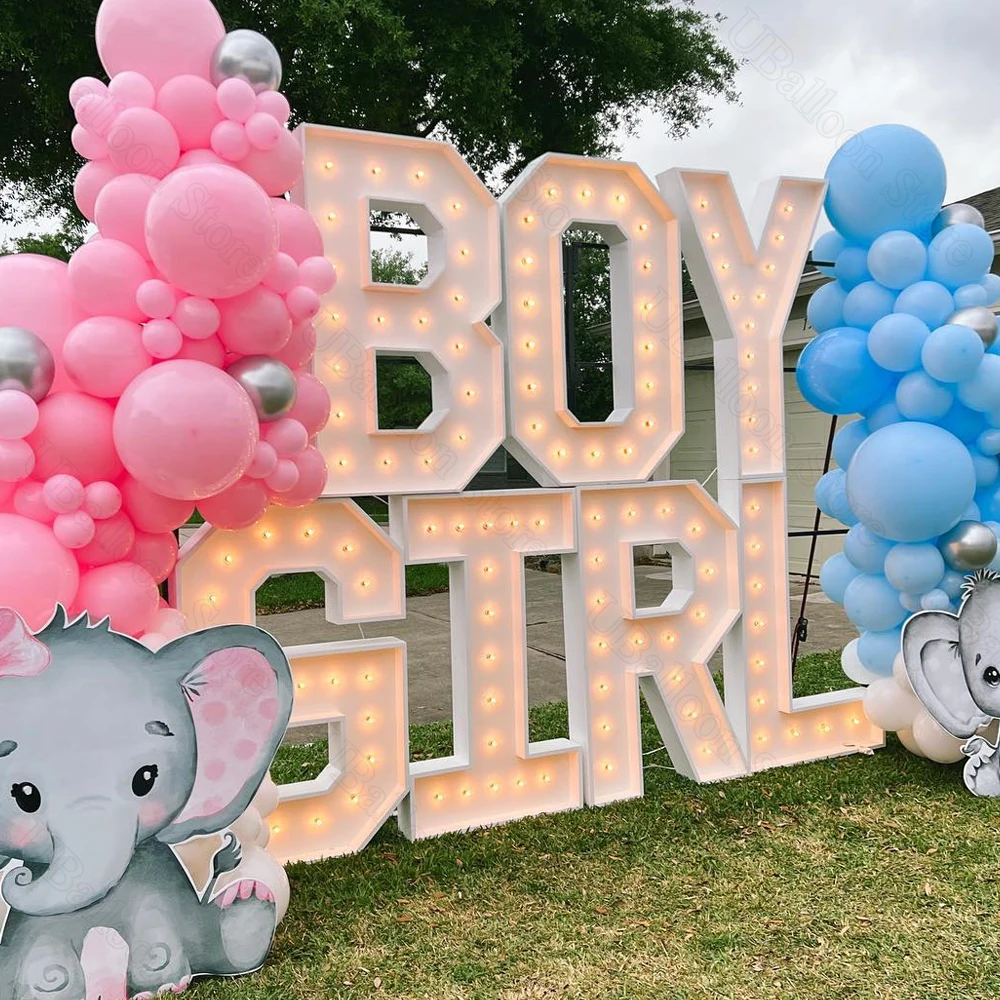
(93, 847)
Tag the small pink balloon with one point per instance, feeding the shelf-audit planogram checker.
(102, 500)
(150, 512)
(170, 622)
(74, 436)
(88, 144)
(186, 430)
(162, 339)
(275, 104)
(113, 541)
(318, 274)
(209, 352)
(278, 170)
(300, 348)
(156, 554)
(104, 354)
(211, 231)
(133, 90)
(284, 478)
(17, 461)
(263, 131)
(36, 572)
(120, 210)
(89, 183)
(242, 505)
(105, 276)
(283, 275)
(230, 141)
(237, 100)
(300, 237)
(121, 591)
(303, 303)
(197, 318)
(18, 415)
(98, 114)
(287, 437)
(29, 501)
(189, 104)
(75, 530)
(86, 86)
(142, 141)
(312, 404)
(256, 322)
(156, 299)
(201, 158)
(63, 494)
(265, 461)
(312, 480)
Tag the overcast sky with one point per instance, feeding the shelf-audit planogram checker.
(929, 64)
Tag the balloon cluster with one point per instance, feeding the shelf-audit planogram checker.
(908, 341)
(168, 365)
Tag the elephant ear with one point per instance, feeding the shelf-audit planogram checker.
(932, 657)
(238, 686)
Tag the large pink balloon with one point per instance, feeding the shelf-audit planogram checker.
(300, 237)
(211, 231)
(74, 436)
(276, 170)
(120, 212)
(158, 38)
(149, 511)
(35, 295)
(104, 354)
(238, 507)
(104, 277)
(186, 430)
(36, 572)
(157, 554)
(189, 104)
(121, 591)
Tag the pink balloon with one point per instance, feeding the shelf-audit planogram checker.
(275, 104)
(36, 572)
(300, 347)
(230, 141)
(300, 237)
(170, 623)
(17, 461)
(104, 354)
(120, 210)
(75, 530)
(211, 231)
(156, 299)
(197, 318)
(89, 144)
(276, 170)
(237, 100)
(105, 276)
(265, 461)
(186, 430)
(318, 274)
(156, 554)
(303, 303)
(283, 275)
(287, 437)
(209, 352)
(63, 494)
(113, 541)
(86, 86)
(133, 90)
(162, 339)
(121, 591)
(160, 38)
(102, 500)
(18, 415)
(98, 114)
(189, 104)
(312, 481)
(255, 323)
(151, 512)
(240, 506)
(29, 501)
(263, 131)
(284, 478)
(74, 435)
(201, 158)
(89, 183)
(142, 141)
(312, 404)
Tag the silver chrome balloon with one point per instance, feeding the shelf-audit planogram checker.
(247, 55)
(952, 215)
(26, 363)
(969, 546)
(269, 384)
(977, 318)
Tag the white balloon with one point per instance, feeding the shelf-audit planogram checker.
(935, 742)
(906, 738)
(264, 835)
(854, 668)
(890, 707)
(899, 671)
(266, 800)
(247, 827)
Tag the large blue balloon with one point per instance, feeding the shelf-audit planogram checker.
(846, 442)
(959, 254)
(872, 603)
(928, 301)
(884, 178)
(866, 304)
(826, 307)
(895, 341)
(878, 650)
(865, 549)
(952, 353)
(914, 567)
(827, 250)
(897, 259)
(919, 397)
(836, 374)
(836, 574)
(911, 481)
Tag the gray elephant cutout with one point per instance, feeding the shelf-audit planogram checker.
(953, 663)
(110, 754)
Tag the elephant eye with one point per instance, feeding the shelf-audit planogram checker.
(144, 779)
(27, 797)
(992, 676)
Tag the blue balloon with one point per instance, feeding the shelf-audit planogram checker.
(992, 285)
(936, 600)
(952, 353)
(836, 574)
(897, 259)
(982, 391)
(826, 251)
(952, 583)
(919, 397)
(895, 341)
(878, 650)
(852, 267)
(959, 255)
(872, 603)
(826, 307)
(910, 482)
(989, 503)
(964, 423)
(887, 413)
(972, 513)
(911, 601)
(988, 442)
(866, 304)
(836, 374)
(886, 177)
(971, 295)
(831, 497)
(914, 568)
(865, 549)
(928, 301)
(846, 442)
(987, 468)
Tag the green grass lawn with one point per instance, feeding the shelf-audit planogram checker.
(860, 877)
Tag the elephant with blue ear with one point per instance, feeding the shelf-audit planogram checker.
(110, 754)
(953, 663)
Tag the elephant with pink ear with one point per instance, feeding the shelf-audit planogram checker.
(109, 754)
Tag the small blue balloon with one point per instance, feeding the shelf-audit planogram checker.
(826, 307)
(846, 442)
(836, 374)
(914, 567)
(928, 301)
(991, 283)
(897, 259)
(952, 583)
(865, 549)
(936, 600)
(989, 503)
(952, 353)
(911, 601)
(988, 442)
(971, 295)
(831, 497)
(971, 513)
(987, 468)
(959, 255)
(872, 603)
(887, 413)
(866, 304)
(964, 423)
(896, 340)
(886, 177)
(919, 397)
(826, 251)
(878, 650)
(836, 574)
(852, 267)
(982, 391)
(911, 481)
